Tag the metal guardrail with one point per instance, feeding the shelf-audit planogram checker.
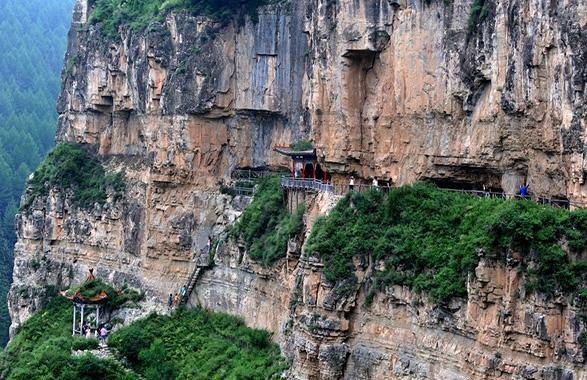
(318, 185)
(564, 203)
(248, 174)
(244, 190)
(306, 184)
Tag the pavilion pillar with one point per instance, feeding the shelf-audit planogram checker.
(97, 316)
(73, 325)
(81, 322)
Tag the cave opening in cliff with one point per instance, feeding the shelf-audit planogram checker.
(479, 183)
(465, 178)
(449, 183)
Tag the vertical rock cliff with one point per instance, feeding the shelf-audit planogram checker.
(460, 92)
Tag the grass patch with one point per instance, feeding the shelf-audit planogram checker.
(197, 344)
(69, 168)
(429, 240)
(112, 14)
(42, 350)
(266, 225)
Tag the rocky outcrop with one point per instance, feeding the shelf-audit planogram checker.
(499, 332)
(402, 90)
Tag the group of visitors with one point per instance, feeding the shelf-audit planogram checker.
(100, 333)
(173, 301)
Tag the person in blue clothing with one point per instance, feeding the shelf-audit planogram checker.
(524, 191)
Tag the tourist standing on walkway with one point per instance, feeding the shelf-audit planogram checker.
(182, 291)
(375, 183)
(485, 191)
(352, 183)
(103, 335)
(176, 300)
(170, 301)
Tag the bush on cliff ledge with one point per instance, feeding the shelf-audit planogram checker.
(430, 240)
(112, 14)
(266, 224)
(68, 167)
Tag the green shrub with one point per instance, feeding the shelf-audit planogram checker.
(157, 353)
(266, 225)
(41, 349)
(112, 14)
(83, 343)
(92, 368)
(69, 167)
(429, 239)
(197, 344)
(303, 145)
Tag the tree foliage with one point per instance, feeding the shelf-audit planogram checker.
(32, 41)
(266, 225)
(197, 344)
(138, 14)
(70, 168)
(42, 349)
(430, 240)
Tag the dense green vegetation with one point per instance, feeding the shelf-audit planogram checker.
(430, 239)
(33, 37)
(193, 344)
(42, 350)
(116, 297)
(111, 14)
(196, 344)
(68, 167)
(266, 225)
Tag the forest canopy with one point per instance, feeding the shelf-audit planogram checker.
(33, 37)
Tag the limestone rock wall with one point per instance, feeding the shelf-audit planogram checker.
(398, 89)
(498, 332)
(406, 90)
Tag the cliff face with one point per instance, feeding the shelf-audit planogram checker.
(498, 332)
(414, 89)
(401, 90)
